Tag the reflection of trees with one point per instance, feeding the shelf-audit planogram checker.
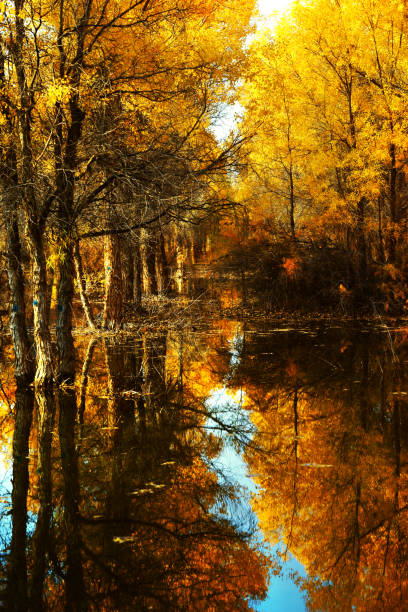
(163, 547)
(16, 597)
(332, 419)
(40, 544)
(74, 579)
(125, 507)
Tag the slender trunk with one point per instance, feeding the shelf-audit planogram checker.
(380, 232)
(361, 242)
(148, 263)
(162, 268)
(113, 311)
(81, 286)
(128, 273)
(34, 222)
(292, 205)
(65, 341)
(10, 199)
(16, 595)
(66, 141)
(151, 269)
(138, 279)
(41, 537)
(50, 287)
(44, 373)
(392, 246)
(24, 361)
(180, 260)
(193, 259)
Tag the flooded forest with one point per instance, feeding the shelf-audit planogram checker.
(203, 306)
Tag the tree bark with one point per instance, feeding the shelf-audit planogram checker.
(361, 244)
(24, 360)
(65, 341)
(292, 204)
(44, 372)
(128, 272)
(34, 222)
(138, 280)
(113, 310)
(81, 286)
(10, 198)
(148, 263)
(162, 268)
(392, 242)
(380, 231)
(180, 261)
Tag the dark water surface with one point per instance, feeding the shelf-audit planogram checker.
(231, 467)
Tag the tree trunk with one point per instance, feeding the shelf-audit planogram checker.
(81, 286)
(392, 242)
(380, 232)
(65, 341)
(51, 281)
(113, 311)
(44, 373)
(128, 272)
(24, 360)
(180, 260)
(148, 263)
(162, 268)
(138, 280)
(361, 244)
(34, 220)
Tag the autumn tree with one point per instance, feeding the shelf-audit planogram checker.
(336, 125)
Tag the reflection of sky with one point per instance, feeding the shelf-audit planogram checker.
(283, 595)
(6, 473)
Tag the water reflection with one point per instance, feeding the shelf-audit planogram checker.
(122, 498)
(114, 502)
(331, 411)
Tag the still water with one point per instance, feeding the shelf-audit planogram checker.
(231, 466)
